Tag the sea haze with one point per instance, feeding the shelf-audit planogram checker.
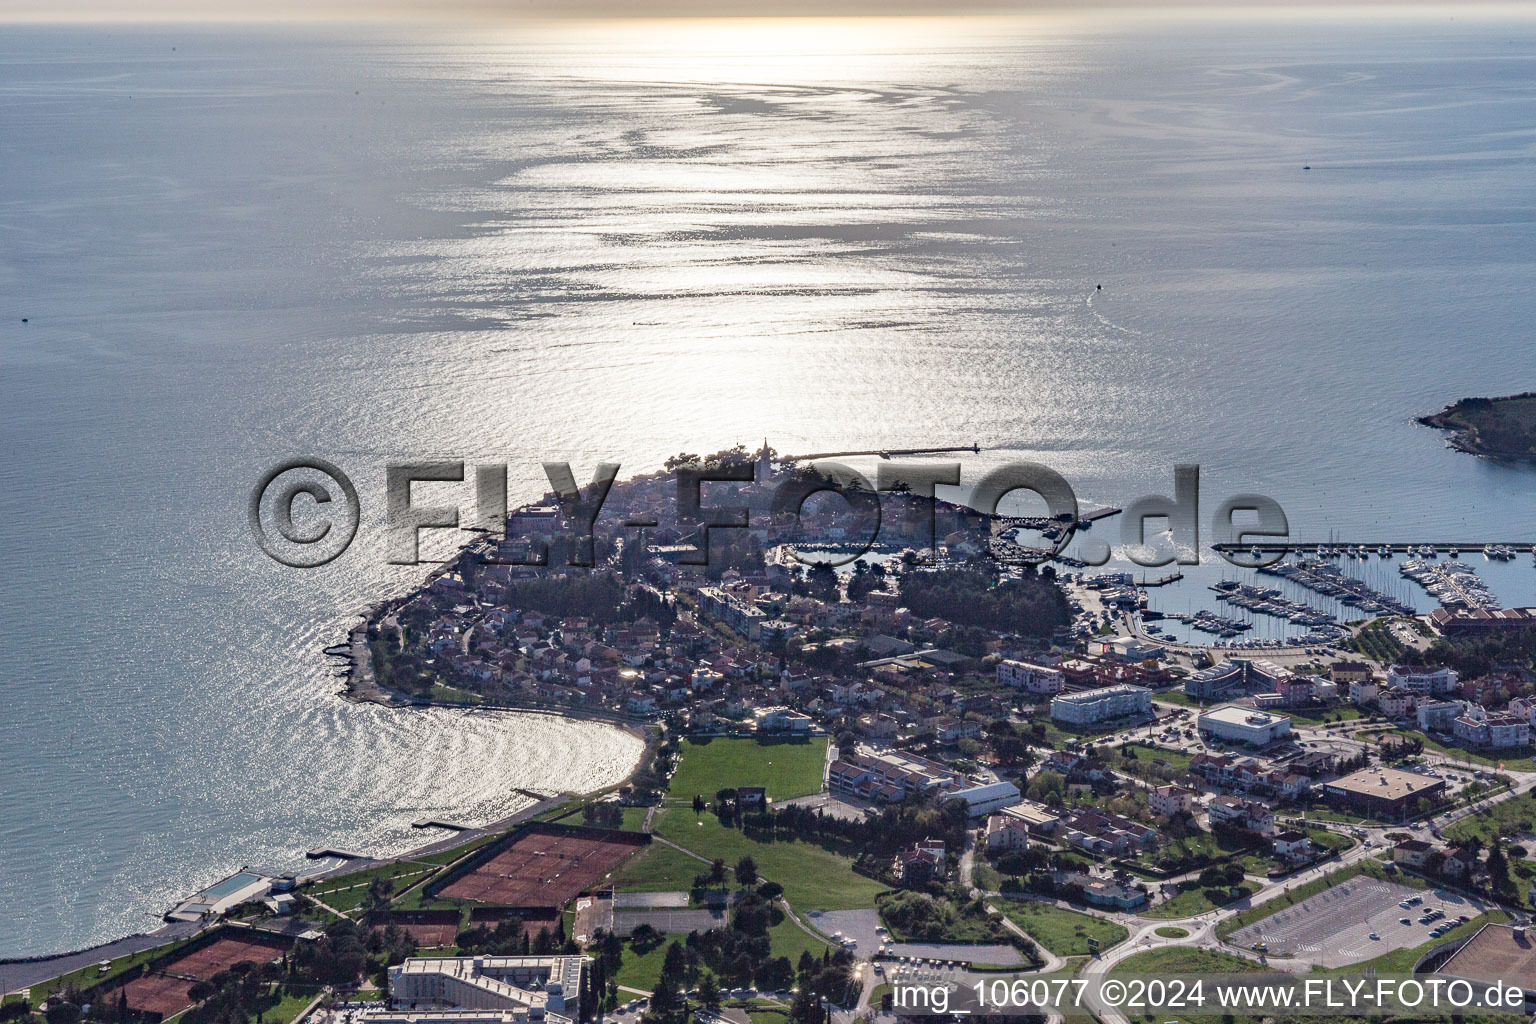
(622, 241)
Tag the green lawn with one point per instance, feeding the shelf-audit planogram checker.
(287, 1007)
(1184, 960)
(786, 768)
(1063, 932)
(814, 878)
(1516, 814)
(1192, 901)
(1175, 764)
(1169, 931)
(347, 893)
(641, 972)
(1316, 716)
(449, 856)
(1462, 754)
(788, 939)
(986, 877)
(657, 868)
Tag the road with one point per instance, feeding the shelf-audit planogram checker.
(15, 976)
(1202, 927)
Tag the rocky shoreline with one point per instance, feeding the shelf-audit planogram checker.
(1494, 428)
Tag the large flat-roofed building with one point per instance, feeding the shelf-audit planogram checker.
(1244, 725)
(1235, 677)
(1497, 955)
(448, 1017)
(1383, 792)
(983, 800)
(1102, 705)
(529, 988)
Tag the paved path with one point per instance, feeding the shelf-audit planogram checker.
(15, 976)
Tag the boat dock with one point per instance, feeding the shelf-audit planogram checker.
(324, 852)
(1464, 547)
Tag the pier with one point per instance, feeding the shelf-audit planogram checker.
(884, 453)
(1465, 547)
(451, 826)
(1089, 518)
(324, 852)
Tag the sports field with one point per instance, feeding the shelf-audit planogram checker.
(813, 877)
(164, 991)
(543, 869)
(158, 993)
(785, 768)
(226, 951)
(430, 928)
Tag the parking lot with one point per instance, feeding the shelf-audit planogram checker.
(861, 929)
(1334, 928)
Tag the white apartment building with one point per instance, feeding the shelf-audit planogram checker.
(1422, 681)
(1479, 727)
(1438, 715)
(1171, 801)
(1030, 678)
(1102, 705)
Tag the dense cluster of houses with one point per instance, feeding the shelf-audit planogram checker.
(1485, 713)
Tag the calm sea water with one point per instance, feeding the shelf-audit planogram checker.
(623, 241)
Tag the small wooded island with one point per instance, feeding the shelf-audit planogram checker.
(1503, 428)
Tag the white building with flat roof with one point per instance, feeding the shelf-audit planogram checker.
(983, 800)
(1244, 725)
(528, 988)
(1102, 705)
(1422, 681)
(1030, 678)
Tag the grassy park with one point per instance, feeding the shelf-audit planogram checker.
(786, 768)
(1062, 931)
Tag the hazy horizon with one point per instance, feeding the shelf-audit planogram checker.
(458, 11)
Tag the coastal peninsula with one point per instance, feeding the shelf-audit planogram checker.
(1500, 428)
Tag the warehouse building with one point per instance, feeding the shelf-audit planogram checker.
(1384, 793)
(983, 800)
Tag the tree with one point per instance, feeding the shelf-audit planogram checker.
(63, 1013)
(746, 871)
(645, 938)
(709, 992)
(379, 891)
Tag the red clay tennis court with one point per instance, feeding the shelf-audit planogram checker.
(430, 928)
(226, 951)
(156, 993)
(544, 868)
